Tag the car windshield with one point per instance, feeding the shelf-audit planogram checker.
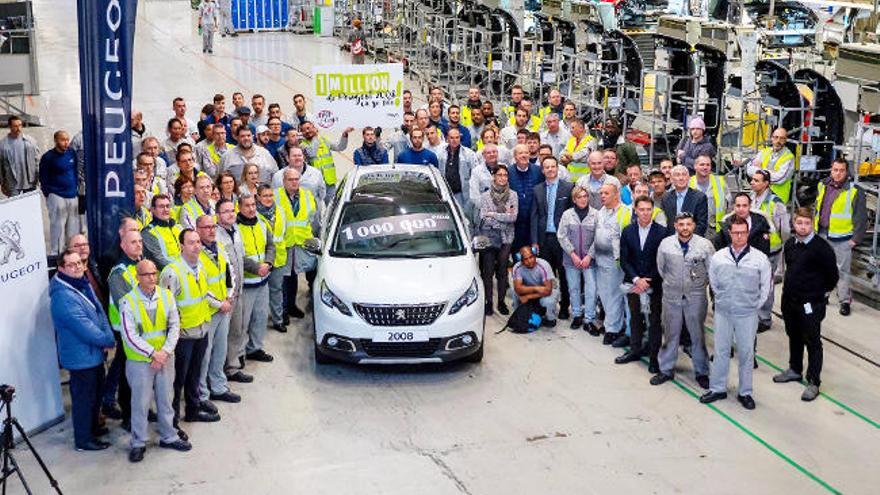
(388, 230)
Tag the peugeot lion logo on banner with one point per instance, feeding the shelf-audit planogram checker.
(10, 240)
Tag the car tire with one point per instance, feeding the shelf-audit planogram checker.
(320, 357)
(477, 356)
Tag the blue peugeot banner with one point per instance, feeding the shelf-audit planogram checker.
(106, 42)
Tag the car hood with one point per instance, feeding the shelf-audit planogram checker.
(399, 281)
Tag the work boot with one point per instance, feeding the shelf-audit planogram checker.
(660, 379)
(710, 397)
(261, 356)
(564, 314)
(240, 377)
(786, 376)
(844, 309)
(764, 325)
(548, 323)
(747, 401)
(810, 393)
(703, 381)
(628, 357)
(503, 309)
(609, 338)
(179, 445)
(487, 309)
(591, 329)
(621, 341)
(137, 454)
(577, 322)
(295, 312)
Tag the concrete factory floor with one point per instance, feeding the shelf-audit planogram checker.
(546, 413)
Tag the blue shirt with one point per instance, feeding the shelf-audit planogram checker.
(679, 200)
(58, 173)
(421, 157)
(551, 205)
(626, 195)
(465, 134)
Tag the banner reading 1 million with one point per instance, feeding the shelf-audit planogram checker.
(358, 95)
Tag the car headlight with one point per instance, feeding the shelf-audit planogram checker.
(332, 301)
(469, 297)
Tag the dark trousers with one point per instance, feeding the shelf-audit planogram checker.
(291, 287)
(551, 251)
(638, 327)
(521, 235)
(116, 381)
(188, 357)
(85, 400)
(493, 264)
(804, 330)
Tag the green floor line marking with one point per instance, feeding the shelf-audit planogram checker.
(760, 440)
(823, 394)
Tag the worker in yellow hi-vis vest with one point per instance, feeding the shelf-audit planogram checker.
(319, 152)
(779, 161)
(715, 189)
(777, 216)
(841, 217)
(150, 329)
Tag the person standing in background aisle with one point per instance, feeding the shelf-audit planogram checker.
(741, 279)
(83, 334)
(150, 329)
(842, 220)
(19, 160)
(209, 23)
(357, 43)
(226, 26)
(811, 273)
(683, 262)
(58, 181)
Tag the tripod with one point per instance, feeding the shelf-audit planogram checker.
(7, 444)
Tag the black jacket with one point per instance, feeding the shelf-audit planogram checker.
(638, 262)
(539, 208)
(759, 233)
(695, 203)
(810, 271)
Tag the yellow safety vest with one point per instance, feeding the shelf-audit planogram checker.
(276, 227)
(175, 212)
(129, 273)
(783, 190)
(768, 206)
(466, 119)
(296, 228)
(169, 238)
(195, 210)
(153, 331)
(323, 160)
(840, 224)
(215, 274)
(577, 169)
(255, 240)
(143, 217)
(216, 157)
(624, 216)
(192, 302)
(718, 192)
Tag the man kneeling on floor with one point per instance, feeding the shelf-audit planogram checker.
(741, 279)
(533, 281)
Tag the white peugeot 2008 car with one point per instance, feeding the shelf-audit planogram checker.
(397, 279)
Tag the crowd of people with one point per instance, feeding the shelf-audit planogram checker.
(211, 255)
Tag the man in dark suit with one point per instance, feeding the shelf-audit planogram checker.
(638, 259)
(683, 198)
(759, 227)
(551, 198)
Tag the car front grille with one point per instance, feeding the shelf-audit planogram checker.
(393, 315)
(400, 349)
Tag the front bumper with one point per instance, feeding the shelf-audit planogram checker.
(365, 351)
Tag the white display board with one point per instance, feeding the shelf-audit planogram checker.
(28, 356)
(357, 95)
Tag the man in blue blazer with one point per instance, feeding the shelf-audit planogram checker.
(551, 198)
(682, 198)
(83, 334)
(639, 242)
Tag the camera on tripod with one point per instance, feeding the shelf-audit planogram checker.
(7, 392)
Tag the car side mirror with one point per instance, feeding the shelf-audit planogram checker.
(313, 245)
(481, 243)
